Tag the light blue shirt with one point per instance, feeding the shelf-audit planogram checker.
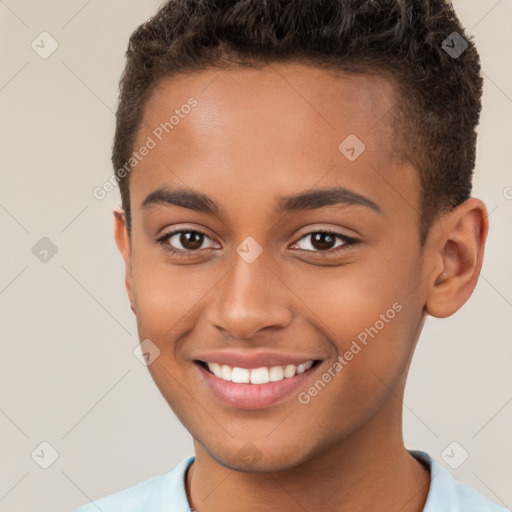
(166, 493)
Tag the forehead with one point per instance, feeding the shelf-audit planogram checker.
(279, 127)
(280, 93)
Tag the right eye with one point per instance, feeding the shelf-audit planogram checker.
(190, 239)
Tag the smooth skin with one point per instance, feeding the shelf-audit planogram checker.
(257, 135)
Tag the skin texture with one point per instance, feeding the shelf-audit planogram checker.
(254, 136)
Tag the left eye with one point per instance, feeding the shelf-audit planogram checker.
(323, 241)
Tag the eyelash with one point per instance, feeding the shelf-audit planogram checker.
(349, 243)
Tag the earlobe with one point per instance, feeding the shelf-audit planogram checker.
(457, 249)
(122, 239)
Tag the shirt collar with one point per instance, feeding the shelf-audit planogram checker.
(444, 492)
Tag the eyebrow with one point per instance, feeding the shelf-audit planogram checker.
(320, 198)
(310, 200)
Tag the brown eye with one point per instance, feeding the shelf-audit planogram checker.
(322, 241)
(184, 241)
(318, 242)
(191, 239)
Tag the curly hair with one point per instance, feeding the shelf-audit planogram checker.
(439, 92)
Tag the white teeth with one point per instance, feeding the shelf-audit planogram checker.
(216, 368)
(290, 370)
(226, 372)
(276, 373)
(303, 367)
(261, 375)
(240, 375)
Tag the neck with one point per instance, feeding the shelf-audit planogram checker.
(368, 469)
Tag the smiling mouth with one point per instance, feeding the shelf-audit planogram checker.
(257, 376)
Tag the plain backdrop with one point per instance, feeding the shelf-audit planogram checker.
(68, 375)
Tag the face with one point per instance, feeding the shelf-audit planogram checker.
(302, 246)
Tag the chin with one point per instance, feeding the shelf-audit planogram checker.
(254, 458)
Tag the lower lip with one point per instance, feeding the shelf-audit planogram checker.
(253, 396)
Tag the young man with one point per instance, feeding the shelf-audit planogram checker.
(295, 181)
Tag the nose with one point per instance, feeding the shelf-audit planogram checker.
(249, 299)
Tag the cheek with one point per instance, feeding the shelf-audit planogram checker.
(343, 301)
(367, 317)
(166, 295)
(159, 305)
(368, 309)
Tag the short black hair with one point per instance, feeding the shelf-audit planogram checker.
(419, 45)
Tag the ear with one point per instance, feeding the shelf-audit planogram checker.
(456, 248)
(124, 245)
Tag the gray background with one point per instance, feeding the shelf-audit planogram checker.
(68, 375)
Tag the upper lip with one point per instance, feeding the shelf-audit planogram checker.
(252, 359)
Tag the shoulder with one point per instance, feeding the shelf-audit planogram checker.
(161, 493)
(446, 494)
